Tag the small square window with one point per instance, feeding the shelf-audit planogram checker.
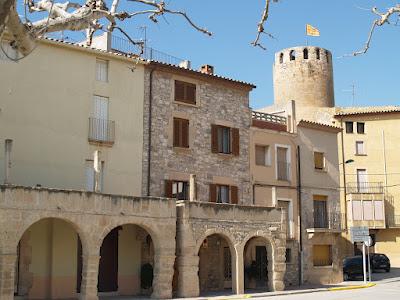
(101, 70)
(360, 149)
(319, 160)
(223, 194)
(180, 190)
(349, 127)
(360, 127)
(185, 92)
(262, 156)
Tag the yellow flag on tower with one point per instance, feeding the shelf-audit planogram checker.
(311, 31)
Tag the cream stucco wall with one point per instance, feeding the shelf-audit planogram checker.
(45, 102)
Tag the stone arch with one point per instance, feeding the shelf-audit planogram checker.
(223, 272)
(49, 257)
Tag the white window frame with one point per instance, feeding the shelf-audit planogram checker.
(288, 160)
(290, 230)
(364, 149)
(102, 65)
(267, 154)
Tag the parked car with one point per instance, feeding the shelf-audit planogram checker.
(353, 267)
(379, 262)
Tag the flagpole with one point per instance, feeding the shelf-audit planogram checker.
(306, 36)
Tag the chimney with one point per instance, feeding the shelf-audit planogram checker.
(185, 64)
(7, 165)
(207, 69)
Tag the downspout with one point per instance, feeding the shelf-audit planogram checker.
(344, 174)
(300, 258)
(149, 129)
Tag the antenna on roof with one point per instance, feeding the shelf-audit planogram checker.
(353, 93)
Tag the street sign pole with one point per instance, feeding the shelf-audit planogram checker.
(364, 264)
(369, 267)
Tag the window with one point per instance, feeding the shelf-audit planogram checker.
(283, 166)
(224, 140)
(362, 182)
(281, 58)
(262, 156)
(101, 70)
(292, 55)
(220, 193)
(177, 189)
(319, 160)
(305, 53)
(318, 53)
(101, 129)
(360, 149)
(327, 56)
(181, 133)
(90, 176)
(185, 92)
(322, 255)
(288, 255)
(320, 211)
(360, 127)
(349, 127)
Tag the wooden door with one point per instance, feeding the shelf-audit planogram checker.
(262, 266)
(108, 266)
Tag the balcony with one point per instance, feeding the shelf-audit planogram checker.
(283, 171)
(268, 121)
(101, 131)
(366, 210)
(364, 188)
(329, 222)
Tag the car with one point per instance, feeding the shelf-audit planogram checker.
(353, 267)
(379, 261)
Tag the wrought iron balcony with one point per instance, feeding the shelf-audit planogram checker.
(283, 170)
(329, 220)
(364, 188)
(101, 131)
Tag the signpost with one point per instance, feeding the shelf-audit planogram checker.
(361, 234)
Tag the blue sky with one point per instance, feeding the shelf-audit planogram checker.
(343, 27)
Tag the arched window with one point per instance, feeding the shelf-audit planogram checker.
(318, 53)
(292, 55)
(281, 58)
(305, 53)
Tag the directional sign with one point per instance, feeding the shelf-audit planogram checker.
(359, 234)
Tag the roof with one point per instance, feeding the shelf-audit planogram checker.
(347, 111)
(318, 126)
(151, 62)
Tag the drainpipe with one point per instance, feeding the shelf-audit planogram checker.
(7, 160)
(149, 130)
(300, 259)
(344, 174)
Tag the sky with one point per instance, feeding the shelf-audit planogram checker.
(344, 28)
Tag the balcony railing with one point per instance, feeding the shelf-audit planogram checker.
(364, 188)
(393, 221)
(283, 170)
(329, 220)
(101, 131)
(268, 117)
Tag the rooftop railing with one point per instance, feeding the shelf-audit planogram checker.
(268, 117)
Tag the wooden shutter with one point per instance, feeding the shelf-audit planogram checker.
(179, 90)
(185, 133)
(168, 188)
(235, 141)
(176, 132)
(213, 193)
(214, 138)
(234, 194)
(190, 90)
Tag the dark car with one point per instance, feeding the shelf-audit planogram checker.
(379, 262)
(353, 267)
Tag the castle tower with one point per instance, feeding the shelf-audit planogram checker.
(305, 75)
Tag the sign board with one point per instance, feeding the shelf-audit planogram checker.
(359, 234)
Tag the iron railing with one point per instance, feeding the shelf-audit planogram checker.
(364, 188)
(268, 117)
(393, 221)
(125, 46)
(329, 220)
(283, 170)
(101, 130)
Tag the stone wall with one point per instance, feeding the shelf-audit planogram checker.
(217, 103)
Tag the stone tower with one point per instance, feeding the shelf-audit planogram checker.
(305, 75)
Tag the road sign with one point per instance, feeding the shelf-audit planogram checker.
(359, 234)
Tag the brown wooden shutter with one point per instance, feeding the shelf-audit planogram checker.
(168, 188)
(190, 90)
(176, 132)
(214, 138)
(185, 133)
(235, 141)
(179, 90)
(234, 194)
(213, 193)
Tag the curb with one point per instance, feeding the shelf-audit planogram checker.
(352, 287)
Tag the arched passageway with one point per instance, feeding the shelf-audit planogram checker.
(258, 265)
(215, 264)
(48, 261)
(126, 262)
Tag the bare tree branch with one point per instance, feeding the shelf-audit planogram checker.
(260, 26)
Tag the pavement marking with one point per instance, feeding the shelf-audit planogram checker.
(351, 287)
